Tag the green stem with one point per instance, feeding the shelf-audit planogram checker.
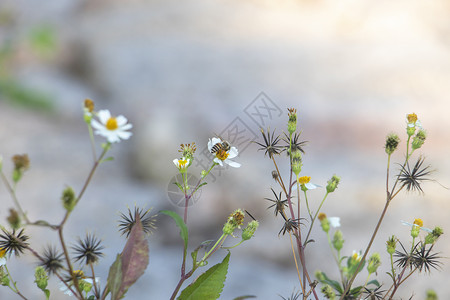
(12, 192)
(315, 215)
(15, 289)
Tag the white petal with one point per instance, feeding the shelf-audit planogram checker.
(126, 126)
(233, 152)
(311, 186)
(175, 161)
(216, 160)
(96, 124)
(210, 145)
(104, 115)
(121, 120)
(2, 261)
(124, 135)
(232, 163)
(335, 221)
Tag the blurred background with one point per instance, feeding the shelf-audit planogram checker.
(181, 71)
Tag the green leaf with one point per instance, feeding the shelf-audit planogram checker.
(180, 223)
(375, 282)
(109, 158)
(179, 186)
(115, 277)
(244, 297)
(135, 257)
(333, 283)
(209, 285)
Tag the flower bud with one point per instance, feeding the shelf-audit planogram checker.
(419, 139)
(415, 229)
(296, 162)
(333, 183)
(187, 151)
(21, 164)
(248, 231)
(320, 276)
(328, 292)
(392, 142)
(432, 237)
(324, 222)
(85, 286)
(14, 219)
(4, 278)
(431, 295)
(69, 199)
(235, 220)
(41, 278)
(292, 123)
(338, 240)
(88, 108)
(374, 263)
(391, 244)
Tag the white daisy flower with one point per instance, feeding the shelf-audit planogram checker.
(65, 289)
(412, 121)
(181, 164)
(305, 183)
(113, 128)
(222, 155)
(417, 223)
(335, 221)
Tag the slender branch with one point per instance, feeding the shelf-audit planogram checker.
(12, 192)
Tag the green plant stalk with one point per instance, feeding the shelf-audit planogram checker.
(315, 215)
(12, 192)
(336, 258)
(15, 289)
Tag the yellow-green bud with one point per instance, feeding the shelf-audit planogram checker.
(4, 278)
(85, 286)
(188, 151)
(69, 199)
(338, 240)
(374, 263)
(328, 292)
(431, 295)
(320, 276)
(248, 231)
(419, 139)
(14, 219)
(392, 142)
(235, 220)
(415, 230)
(21, 164)
(203, 173)
(292, 123)
(333, 183)
(41, 278)
(391, 244)
(410, 130)
(432, 237)
(296, 162)
(324, 222)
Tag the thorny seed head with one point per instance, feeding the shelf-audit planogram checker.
(289, 225)
(13, 242)
(279, 204)
(128, 221)
(52, 260)
(295, 143)
(392, 141)
(270, 145)
(411, 179)
(88, 249)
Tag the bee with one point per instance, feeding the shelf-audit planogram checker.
(224, 145)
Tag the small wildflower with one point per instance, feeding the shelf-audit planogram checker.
(279, 204)
(88, 249)
(14, 219)
(392, 141)
(355, 258)
(187, 151)
(411, 123)
(85, 283)
(21, 164)
(411, 179)
(222, 155)
(416, 227)
(374, 263)
(249, 231)
(13, 242)
(292, 123)
(391, 244)
(305, 183)
(69, 199)
(52, 260)
(127, 222)
(419, 139)
(112, 128)
(182, 164)
(270, 145)
(324, 222)
(338, 240)
(333, 183)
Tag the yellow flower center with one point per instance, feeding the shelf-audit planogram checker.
(111, 124)
(356, 257)
(222, 154)
(182, 163)
(322, 216)
(304, 179)
(2, 252)
(412, 118)
(418, 222)
(79, 273)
